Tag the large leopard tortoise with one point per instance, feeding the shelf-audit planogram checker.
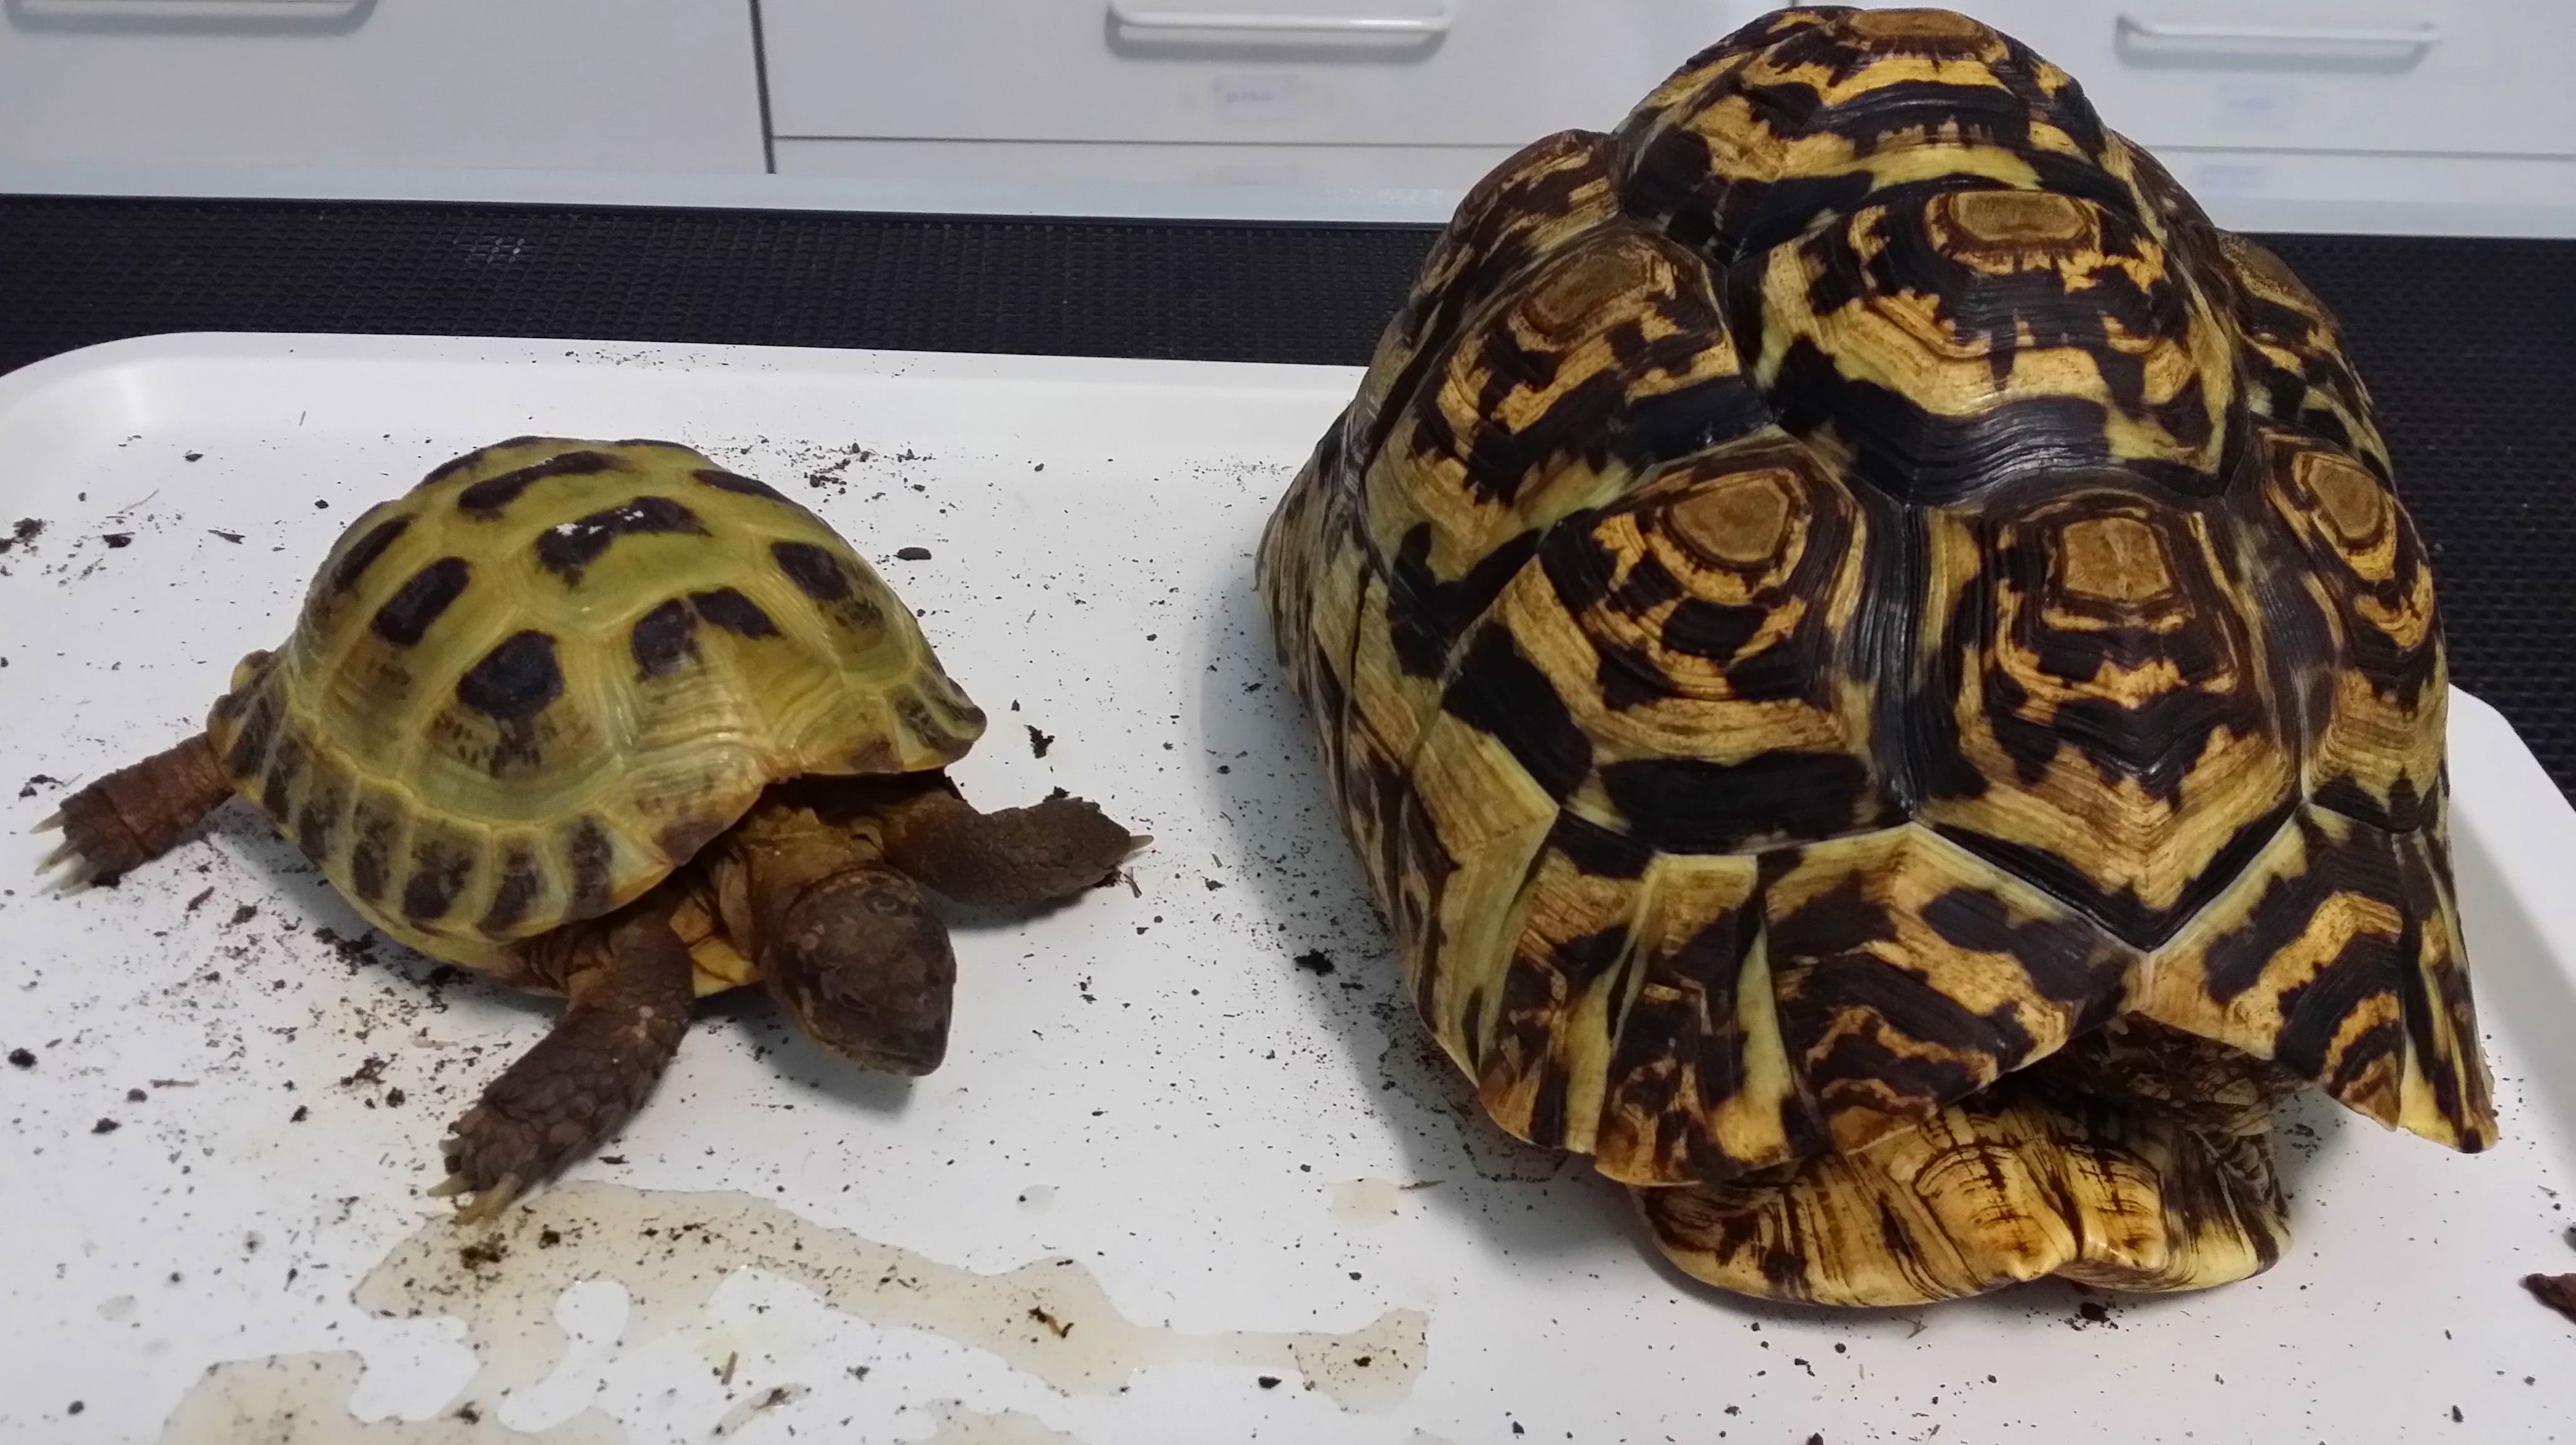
(1870, 657)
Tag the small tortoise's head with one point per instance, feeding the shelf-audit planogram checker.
(866, 972)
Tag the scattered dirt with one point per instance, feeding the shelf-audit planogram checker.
(22, 535)
(1039, 742)
(38, 780)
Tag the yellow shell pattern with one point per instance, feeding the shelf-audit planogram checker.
(1840, 590)
(527, 690)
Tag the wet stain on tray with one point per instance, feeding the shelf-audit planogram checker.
(1051, 1318)
(305, 1399)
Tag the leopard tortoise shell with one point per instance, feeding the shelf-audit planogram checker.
(1870, 657)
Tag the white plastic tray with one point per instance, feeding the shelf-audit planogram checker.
(1254, 1161)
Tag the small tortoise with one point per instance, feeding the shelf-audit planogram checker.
(1869, 654)
(609, 721)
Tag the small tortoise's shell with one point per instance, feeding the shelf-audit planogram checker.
(1849, 584)
(523, 693)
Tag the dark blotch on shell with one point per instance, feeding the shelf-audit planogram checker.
(662, 640)
(816, 572)
(520, 882)
(587, 849)
(734, 612)
(367, 861)
(368, 548)
(438, 871)
(567, 549)
(515, 681)
(488, 498)
(739, 485)
(403, 620)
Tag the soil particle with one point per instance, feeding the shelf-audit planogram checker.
(912, 554)
(22, 1058)
(1315, 961)
(1039, 742)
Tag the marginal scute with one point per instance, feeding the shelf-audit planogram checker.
(521, 693)
(1870, 656)
(1910, 974)
(2337, 953)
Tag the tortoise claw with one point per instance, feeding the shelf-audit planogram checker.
(59, 880)
(490, 1202)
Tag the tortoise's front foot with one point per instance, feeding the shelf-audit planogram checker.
(1013, 858)
(137, 813)
(627, 1003)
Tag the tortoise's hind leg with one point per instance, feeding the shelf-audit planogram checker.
(1012, 858)
(628, 990)
(138, 813)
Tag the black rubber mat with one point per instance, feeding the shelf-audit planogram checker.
(2468, 345)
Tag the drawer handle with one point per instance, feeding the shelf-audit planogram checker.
(2420, 37)
(117, 12)
(1436, 23)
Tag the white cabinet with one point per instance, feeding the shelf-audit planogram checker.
(2407, 77)
(2326, 114)
(554, 85)
(2429, 115)
(1257, 72)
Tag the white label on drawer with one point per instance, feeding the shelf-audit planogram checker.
(1257, 99)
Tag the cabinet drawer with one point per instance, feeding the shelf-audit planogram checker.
(1274, 72)
(565, 85)
(2465, 77)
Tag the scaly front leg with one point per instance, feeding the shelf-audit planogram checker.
(628, 990)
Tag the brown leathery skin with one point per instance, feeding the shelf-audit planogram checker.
(139, 811)
(627, 998)
(842, 939)
(1804, 631)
